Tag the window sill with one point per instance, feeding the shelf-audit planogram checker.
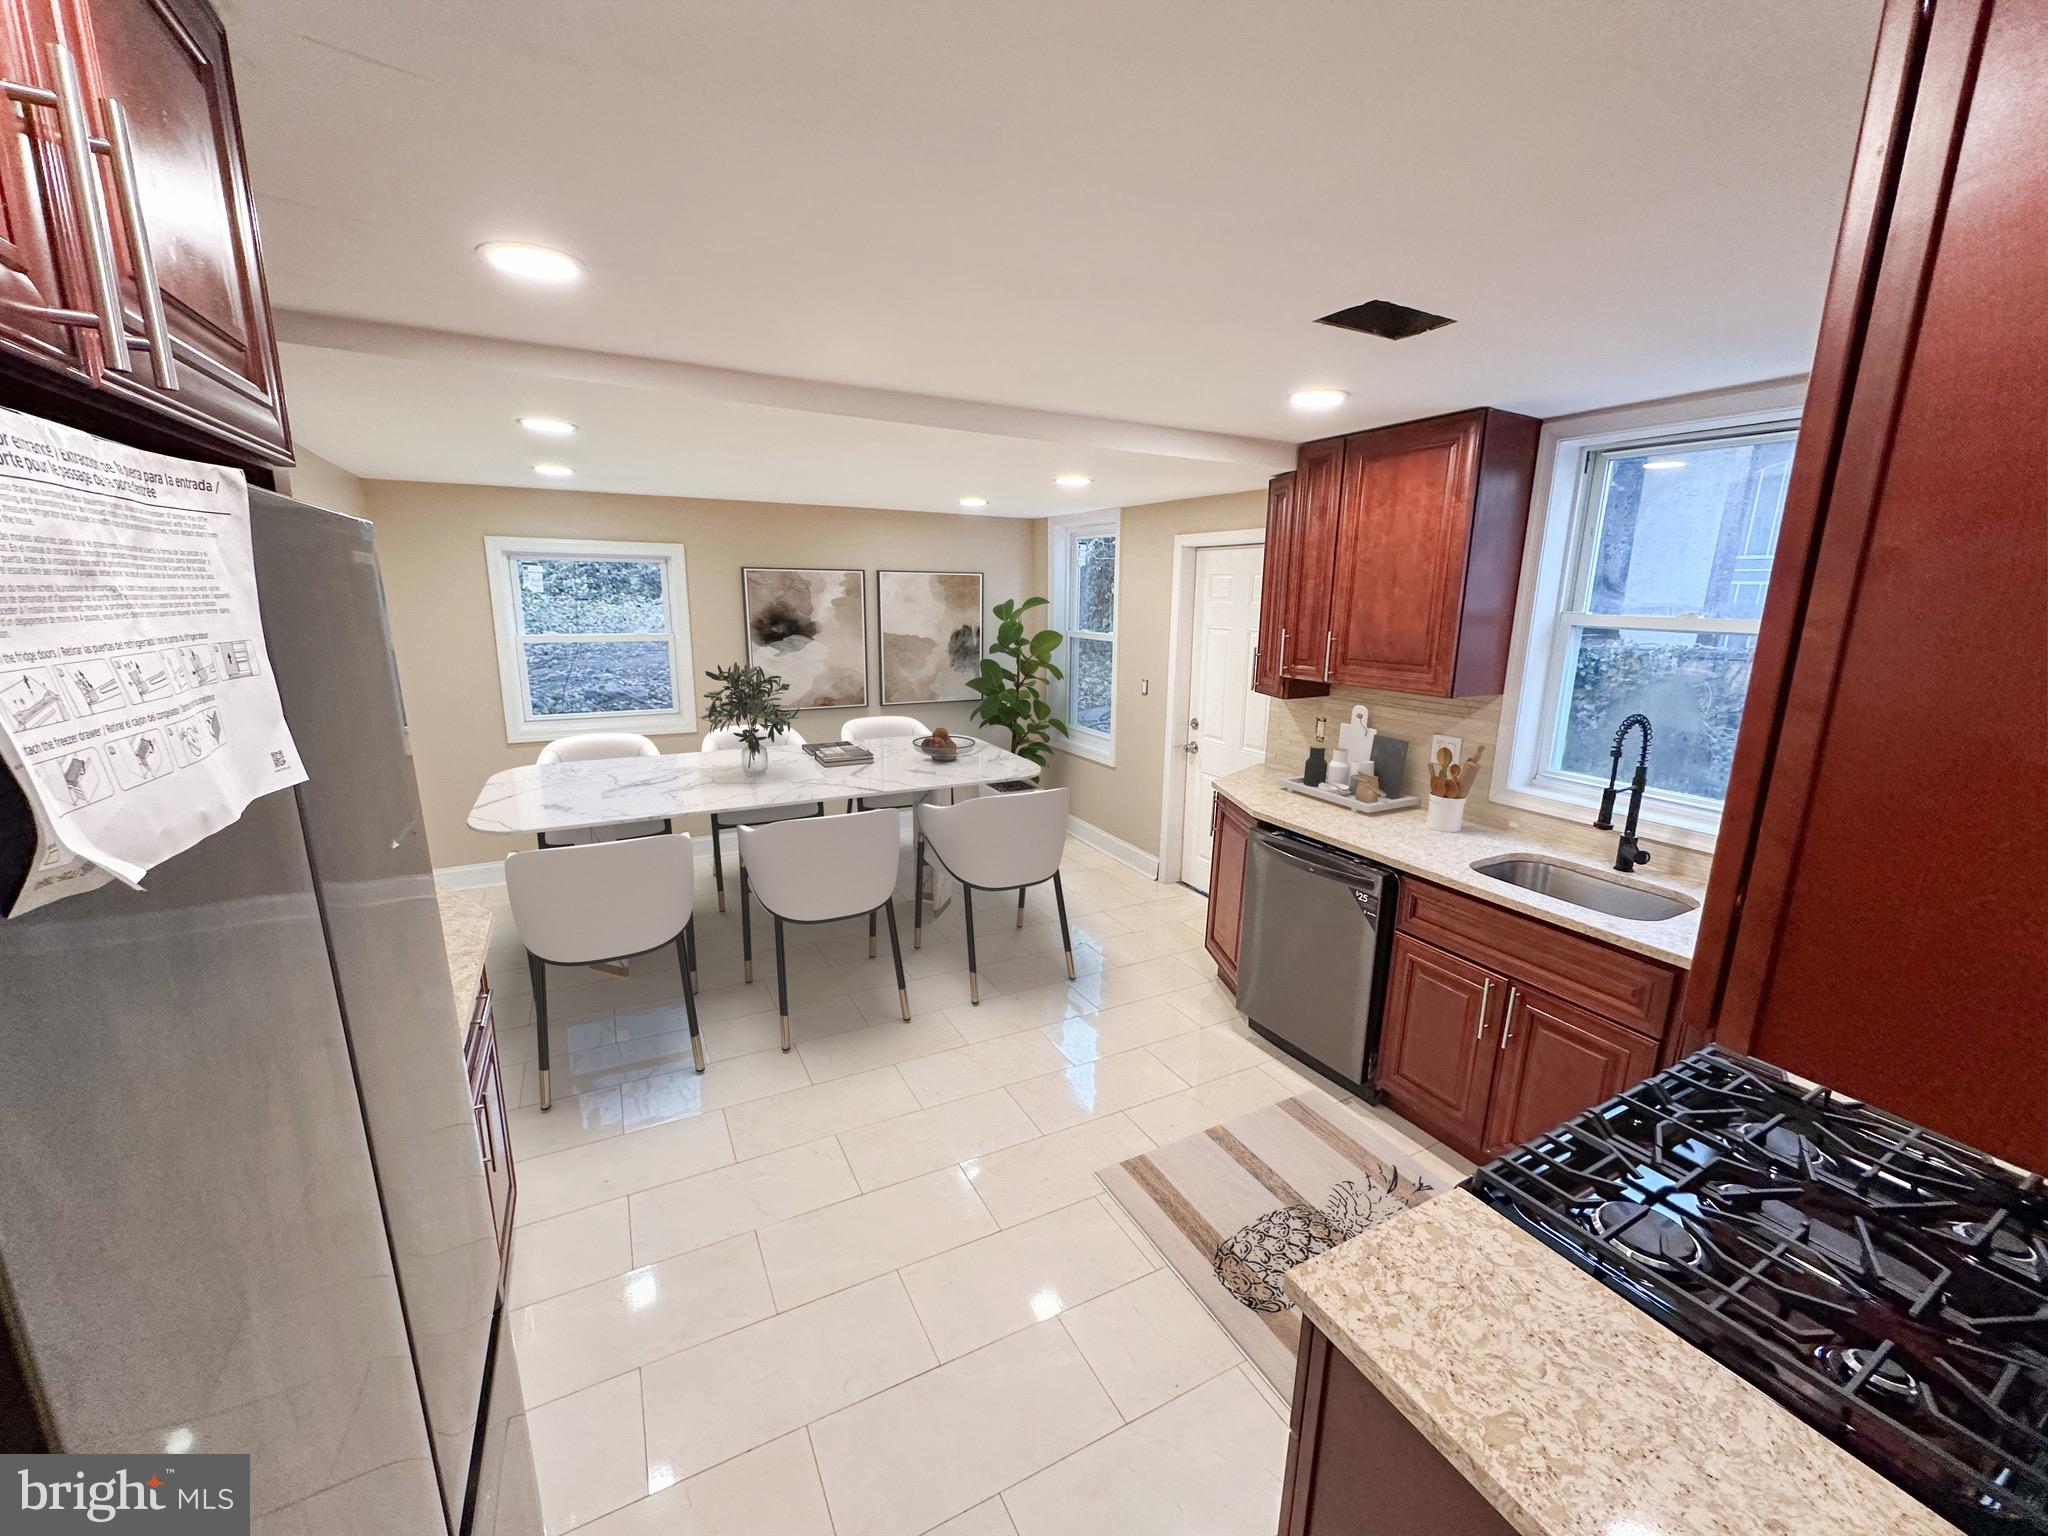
(1103, 752)
(1698, 835)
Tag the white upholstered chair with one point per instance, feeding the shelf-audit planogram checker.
(997, 843)
(728, 740)
(603, 901)
(592, 746)
(819, 872)
(887, 728)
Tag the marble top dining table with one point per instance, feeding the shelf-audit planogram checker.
(562, 797)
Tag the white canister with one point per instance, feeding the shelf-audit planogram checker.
(1445, 813)
(1339, 777)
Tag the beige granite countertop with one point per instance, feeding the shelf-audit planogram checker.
(1404, 840)
(1573, 1412)
(466, 929)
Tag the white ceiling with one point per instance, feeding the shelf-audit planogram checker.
(1129, 210)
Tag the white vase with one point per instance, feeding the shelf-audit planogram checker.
(1445, 813)
(754, 757)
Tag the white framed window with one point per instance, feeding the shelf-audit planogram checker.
(1643, 588)
(593, 635)
(1083, 550)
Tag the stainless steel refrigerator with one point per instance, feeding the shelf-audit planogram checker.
(241, 1204)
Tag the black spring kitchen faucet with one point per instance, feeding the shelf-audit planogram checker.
(1629, 852)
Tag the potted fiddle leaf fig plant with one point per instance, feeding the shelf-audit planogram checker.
(744, 702)
(1015, 679)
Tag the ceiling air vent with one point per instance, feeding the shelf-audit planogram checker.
(1382, 317)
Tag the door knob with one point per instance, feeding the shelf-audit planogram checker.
(1192, 748)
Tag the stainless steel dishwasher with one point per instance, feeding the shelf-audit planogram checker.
(1312, 967)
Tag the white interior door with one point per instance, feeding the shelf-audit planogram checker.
(1226, 720)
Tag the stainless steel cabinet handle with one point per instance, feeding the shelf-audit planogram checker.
(85, 178)
(1283, 648)
(1508, 1031)
(1329, 644)
(1485, 1002)
(121, 150)
(484, 1154)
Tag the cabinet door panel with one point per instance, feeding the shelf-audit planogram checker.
(1436, 1057)
(166, 63)
(1402, 537)
(1280, 535)
(1318, 485)
(1557, 1060)
(1229, 854)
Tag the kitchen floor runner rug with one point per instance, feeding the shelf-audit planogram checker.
(1233, 1208)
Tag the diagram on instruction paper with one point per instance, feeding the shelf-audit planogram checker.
(93, 687)
(238, 657)
(147, 677)
(195, 666)
(196, 736)
(76, 779)
(139, 758)
(31, 698)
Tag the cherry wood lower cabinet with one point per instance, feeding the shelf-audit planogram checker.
(1356, 1467)
(1230, 828)
(487, 1112)
(1476, 1045)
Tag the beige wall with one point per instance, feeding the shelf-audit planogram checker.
(430, 544)
(1124, 801)
(315, 480)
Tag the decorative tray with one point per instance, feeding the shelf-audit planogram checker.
(1351, 802)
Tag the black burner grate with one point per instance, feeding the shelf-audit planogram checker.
(1886, 1284)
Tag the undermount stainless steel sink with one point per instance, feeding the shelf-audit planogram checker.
(1584, 888)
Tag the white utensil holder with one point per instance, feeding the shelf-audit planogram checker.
(1446, 814)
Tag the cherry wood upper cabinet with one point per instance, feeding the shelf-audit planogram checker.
(1266, 674)
(34, 214)
(1556, 1060)
(152, 229)
(1304, 608)
(1429, 550)
(1892, 946)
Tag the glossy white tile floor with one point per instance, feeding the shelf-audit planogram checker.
(873, 1287)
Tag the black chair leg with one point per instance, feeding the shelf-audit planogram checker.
(684, 943)
(717, 864)
(690, 945)
(538, 969)
(747, 927)
(1020, 906)
(1059, 896)
(967, 917)
(896, 954)
(871, 935)
(917, 900)
(781, 983)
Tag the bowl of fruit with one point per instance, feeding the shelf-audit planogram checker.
(942, 746)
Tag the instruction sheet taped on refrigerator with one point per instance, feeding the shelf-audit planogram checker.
(136, 702)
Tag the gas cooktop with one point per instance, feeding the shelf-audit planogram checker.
(1885, 1284)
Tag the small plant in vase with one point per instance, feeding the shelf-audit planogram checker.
(1014, 680)
(744, 703)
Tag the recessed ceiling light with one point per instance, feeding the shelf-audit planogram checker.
(533, 263)
(973, 501)
(554, 471)
(1318, 399)
(1070, 482)
(548, 426)
(1663, 463)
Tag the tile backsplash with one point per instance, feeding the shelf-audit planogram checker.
(1290, 729)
